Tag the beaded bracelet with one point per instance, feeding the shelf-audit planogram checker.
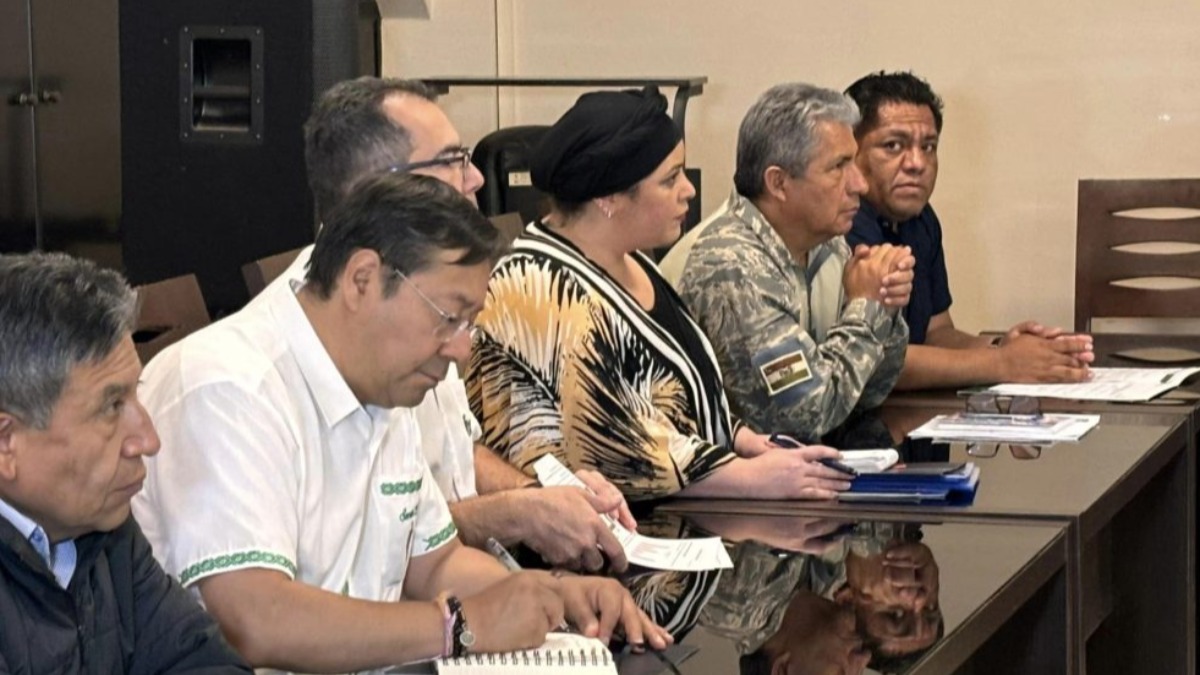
(463, 638)
(447, 624)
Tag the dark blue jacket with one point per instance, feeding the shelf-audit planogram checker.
(121, 613)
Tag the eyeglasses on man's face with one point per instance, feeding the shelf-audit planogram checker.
(455, 157)
(449, 326)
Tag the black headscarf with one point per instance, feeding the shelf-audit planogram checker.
(606, 143)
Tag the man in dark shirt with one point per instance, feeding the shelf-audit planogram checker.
(80, 591)
(897, 154)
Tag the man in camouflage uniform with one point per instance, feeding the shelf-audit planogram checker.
(804, 328)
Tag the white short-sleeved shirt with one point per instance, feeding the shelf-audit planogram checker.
(269, 461)
(448, 435)
(448, 429)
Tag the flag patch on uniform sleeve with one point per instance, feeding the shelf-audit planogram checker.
(783, 367)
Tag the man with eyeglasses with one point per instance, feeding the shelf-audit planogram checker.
(296, 502)
(358, 129)
(898, 138)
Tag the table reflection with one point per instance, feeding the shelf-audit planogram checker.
(805, 595)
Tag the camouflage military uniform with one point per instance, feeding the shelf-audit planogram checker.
(795, 355)
(750, 600)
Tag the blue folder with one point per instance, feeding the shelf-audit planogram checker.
(914, 485)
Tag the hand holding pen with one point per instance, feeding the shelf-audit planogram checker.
(598, 606)
(510, 563)
(785, 441)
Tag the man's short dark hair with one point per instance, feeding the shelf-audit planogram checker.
(407, 219)
(877, 89)
(349, 136)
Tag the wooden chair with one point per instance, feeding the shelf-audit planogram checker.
(1138, 254)
(511, 225)
(265, 270)
(168, 311)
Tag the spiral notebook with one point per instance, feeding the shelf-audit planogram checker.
(561, 653)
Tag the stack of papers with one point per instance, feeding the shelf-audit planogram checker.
(1034, 429)
(687, 555)
(1107, 384)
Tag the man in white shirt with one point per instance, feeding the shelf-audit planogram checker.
(295, 499)
(362, 127)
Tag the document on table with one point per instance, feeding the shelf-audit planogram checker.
(1036, 429)
(687, 555)
(1107, 384)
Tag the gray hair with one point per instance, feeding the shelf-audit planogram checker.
(56, 312)
(779, 130)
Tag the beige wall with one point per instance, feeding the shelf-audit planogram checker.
(1038, 94)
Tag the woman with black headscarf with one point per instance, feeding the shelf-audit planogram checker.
(586, 352)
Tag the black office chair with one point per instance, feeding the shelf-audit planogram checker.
(503, 158)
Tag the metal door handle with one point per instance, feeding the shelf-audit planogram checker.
(50, 96)
(23, 99)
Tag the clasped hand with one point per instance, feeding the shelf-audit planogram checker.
(1034, 353)
(883, 273)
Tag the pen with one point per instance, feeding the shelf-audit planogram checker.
(784, 441)
(838, 466)
(497, 549)
(510, 563)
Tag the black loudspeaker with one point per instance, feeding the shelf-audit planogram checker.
(214, 94)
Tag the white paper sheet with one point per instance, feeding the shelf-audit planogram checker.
(1107, 384)
(1037, 429)
(689, 555)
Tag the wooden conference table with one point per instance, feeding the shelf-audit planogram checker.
(972, 596)
(1183, 402)
(1125, 496)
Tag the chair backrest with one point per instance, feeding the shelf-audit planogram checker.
(265, 270)
(511, 225)
(168, 311)
(503, 158)
(1137, 251)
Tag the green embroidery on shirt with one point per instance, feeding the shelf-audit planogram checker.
(441, 536)
(229, 561)
(404, 488)
(408, 514)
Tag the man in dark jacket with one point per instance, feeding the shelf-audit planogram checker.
(80, 591)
